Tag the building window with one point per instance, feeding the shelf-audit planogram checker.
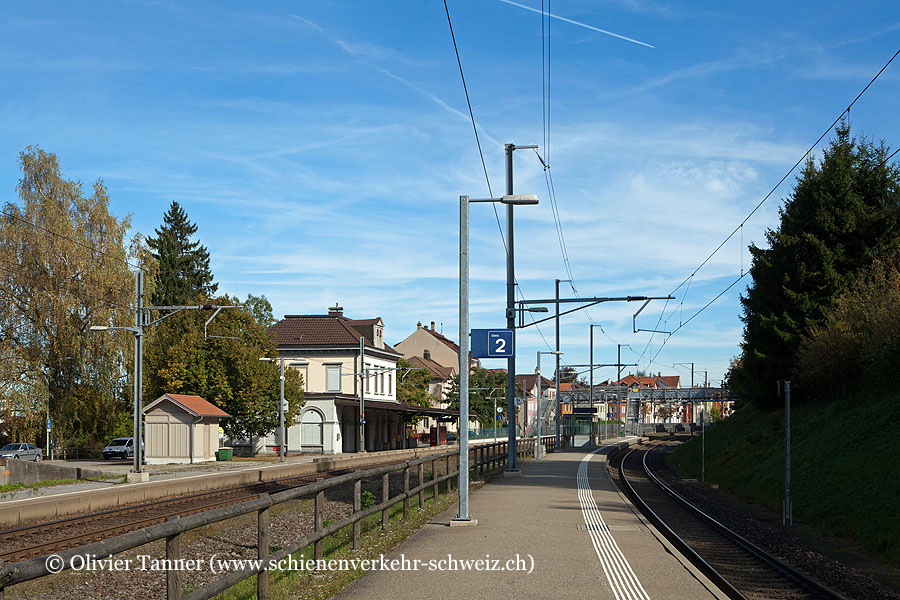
(390, 380)
(332, 378)
(381, 382)
(304, 371)
(366, 377)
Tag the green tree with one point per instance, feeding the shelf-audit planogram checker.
(226, 372)
(412, 385)
(842, 213)
(183, 275)
(63, 267)
(858, 345)
(260, 308)
(484, 387)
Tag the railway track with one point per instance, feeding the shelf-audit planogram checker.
(29, 541)
(740, 568)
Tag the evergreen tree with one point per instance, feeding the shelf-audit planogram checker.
(184, 274)
(842, 214)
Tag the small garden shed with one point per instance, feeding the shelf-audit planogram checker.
(181, 429)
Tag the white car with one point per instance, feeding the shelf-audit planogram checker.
(23, 451)
(121, 447)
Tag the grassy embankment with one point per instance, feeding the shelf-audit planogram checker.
(845, 466)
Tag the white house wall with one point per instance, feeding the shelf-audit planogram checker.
(315, 370)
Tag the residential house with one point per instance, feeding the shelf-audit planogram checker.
(428, 348)
(441, 350)
(527, 386)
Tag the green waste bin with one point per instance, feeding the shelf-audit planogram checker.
(224, 453)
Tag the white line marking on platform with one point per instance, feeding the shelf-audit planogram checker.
(621, 578)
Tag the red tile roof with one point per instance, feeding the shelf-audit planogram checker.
(197, 405)
(437, 371)
(318, 330)
(654, 381)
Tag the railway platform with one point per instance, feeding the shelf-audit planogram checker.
(560, 528)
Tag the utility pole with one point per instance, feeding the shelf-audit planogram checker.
(787, 511)
(591, 388)
(362, 395)
(511, 465)
(558, 402)
(138, 370)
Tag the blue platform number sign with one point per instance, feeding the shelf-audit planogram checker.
(493, 343)
(48, 424)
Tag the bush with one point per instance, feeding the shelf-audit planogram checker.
(860, 340)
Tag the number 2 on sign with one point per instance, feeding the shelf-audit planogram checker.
(501, 345)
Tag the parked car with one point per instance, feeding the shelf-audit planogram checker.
(23, 451)
(121, 447)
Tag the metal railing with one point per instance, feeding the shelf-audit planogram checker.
(483, 457)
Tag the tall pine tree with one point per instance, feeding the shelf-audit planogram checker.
(184, 275)
(843, 213)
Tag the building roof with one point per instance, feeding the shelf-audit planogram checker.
(195, 405)
(437, 371)
(529, 380)
(320, 330)
(653, 381)
(440, 337)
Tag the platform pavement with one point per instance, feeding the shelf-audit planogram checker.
(541, 515)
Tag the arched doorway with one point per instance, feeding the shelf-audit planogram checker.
(311, 431)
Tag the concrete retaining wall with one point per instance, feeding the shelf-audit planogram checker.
(19, 512)
(25, 471)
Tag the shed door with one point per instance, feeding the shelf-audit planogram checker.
(179, 440)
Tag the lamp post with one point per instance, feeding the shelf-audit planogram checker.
(537, 370)
(510, 200)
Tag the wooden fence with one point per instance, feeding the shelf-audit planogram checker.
(482, 458)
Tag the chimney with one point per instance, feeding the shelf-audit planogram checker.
(419, 325)
(432, 326)
(336, 310)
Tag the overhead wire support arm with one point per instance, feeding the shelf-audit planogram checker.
(643, 306)
(585, 303)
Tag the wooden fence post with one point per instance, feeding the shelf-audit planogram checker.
(421, 483)
(262, 550)
(405, 490)
(447, 472)
(173, 553)
(357, 503)
(319, 515)
(434, 476)
(385, 494)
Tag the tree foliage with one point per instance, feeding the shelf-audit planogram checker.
(261, 309)
(481, 401)
(858, 344)
(412, 385)
(226, 372)
(183, 275)
(842, 213)
(63, 268)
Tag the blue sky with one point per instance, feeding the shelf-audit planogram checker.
(321, 147)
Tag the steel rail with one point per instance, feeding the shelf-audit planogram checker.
(717, 578)
(801, 579)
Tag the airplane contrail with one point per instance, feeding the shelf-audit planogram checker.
(585, 25)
